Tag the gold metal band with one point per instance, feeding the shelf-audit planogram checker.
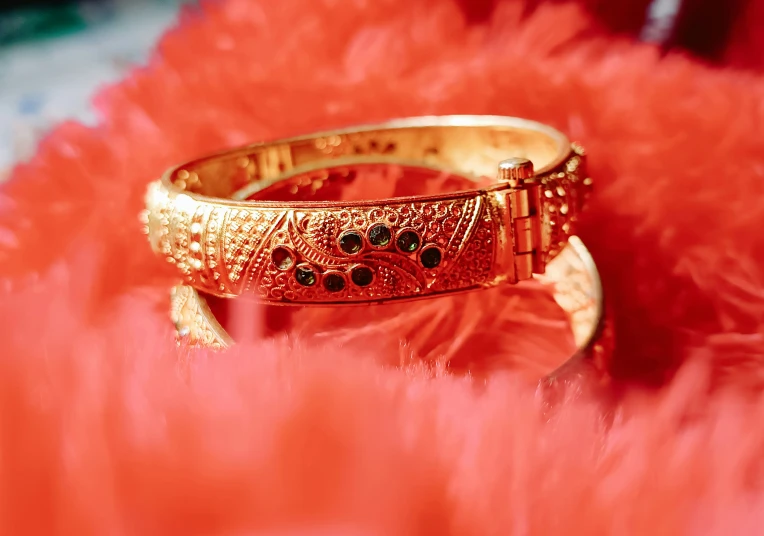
(210, 219)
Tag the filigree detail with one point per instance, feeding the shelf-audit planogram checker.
(193, 320)
(475, 261)
(564, 194)
(313, 237)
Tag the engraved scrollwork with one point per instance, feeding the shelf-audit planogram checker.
(411, 216)
(313, 237)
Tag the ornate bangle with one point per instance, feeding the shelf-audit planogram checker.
(209, 220)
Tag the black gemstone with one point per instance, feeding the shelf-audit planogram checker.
(282, 258)
(334, 282)
(380, 236)
(305, 276)
(362, 276)
(430, 257)
(408, 241)
(351, 242)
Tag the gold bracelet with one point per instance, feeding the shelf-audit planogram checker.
(208, 218)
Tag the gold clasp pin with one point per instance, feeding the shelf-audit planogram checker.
(515, 170)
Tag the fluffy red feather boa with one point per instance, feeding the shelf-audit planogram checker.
(103, 432)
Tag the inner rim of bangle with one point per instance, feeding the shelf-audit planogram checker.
(471, 146)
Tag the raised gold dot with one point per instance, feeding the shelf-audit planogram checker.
(196, 227)
(195, 247)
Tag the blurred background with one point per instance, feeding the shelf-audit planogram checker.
(55, 53)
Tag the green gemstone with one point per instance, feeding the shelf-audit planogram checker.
(380, 235)
(351, 242)
(305, 276)
(362, 276)
(430, 257)
(334, 282)
(408, 241)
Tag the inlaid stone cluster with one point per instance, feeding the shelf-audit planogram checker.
(354, 244)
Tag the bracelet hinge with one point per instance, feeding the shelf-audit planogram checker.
(525, 218)
(525, 209)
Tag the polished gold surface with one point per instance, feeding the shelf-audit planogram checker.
(211, 219)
